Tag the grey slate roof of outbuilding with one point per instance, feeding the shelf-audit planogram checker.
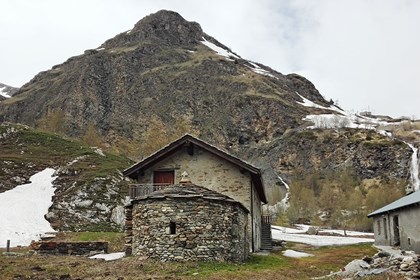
(188, 191)
(405, 201)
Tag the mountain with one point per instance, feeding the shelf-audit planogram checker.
(7, 91)
(165, 77)
(163, 66)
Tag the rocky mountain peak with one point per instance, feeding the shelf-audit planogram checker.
(165, 27)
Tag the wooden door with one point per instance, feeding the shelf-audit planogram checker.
(163, 177)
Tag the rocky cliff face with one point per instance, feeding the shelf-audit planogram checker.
(168, 69)
(162, 68)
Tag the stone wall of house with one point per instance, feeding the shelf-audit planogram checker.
(387, 231)
(383, 228)
(208, 170)
(189, 229)
(410, 229)
(257, 213)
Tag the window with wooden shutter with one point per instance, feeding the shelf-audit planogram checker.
(164, 177)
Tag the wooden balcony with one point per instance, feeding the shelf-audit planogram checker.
(266, 219)
(136, 190)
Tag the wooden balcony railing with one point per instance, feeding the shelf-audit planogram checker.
(136, 190)
(266, 219)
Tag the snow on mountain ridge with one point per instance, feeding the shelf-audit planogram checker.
(220, 51)
(3, 92)
(7, 91)
(229, 55)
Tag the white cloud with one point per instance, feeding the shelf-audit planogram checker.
(363, 53)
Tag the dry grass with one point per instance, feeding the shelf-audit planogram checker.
(273, 266)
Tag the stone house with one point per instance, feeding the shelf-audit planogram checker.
(186, 222)
(208, 168)
(398, 223)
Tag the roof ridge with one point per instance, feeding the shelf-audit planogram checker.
(404, 201)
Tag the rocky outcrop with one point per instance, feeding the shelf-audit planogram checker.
(165, 27)
(90, 191)
(88, 206)
(404, 265)
(370, 154)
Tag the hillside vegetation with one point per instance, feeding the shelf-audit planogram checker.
(89, 187)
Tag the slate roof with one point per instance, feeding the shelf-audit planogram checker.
(408, 200)
(189, 139)
(188, 191)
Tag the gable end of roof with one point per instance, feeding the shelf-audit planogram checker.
(187, 138)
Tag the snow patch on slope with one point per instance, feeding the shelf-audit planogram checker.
(229, 55)
(109, 257)
(297, 235)
(3, 92)
(257, 69)
(341, 119)
(308, 103)
(22, 210)
(295, 254)
(218, 50)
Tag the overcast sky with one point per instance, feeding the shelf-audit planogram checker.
(365, 54)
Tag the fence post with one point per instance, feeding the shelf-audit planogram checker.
(8, 246)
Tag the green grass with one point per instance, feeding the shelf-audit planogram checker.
(44, 148)
(255, 263)
(325, 260)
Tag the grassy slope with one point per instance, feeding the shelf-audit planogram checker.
(26, 145)
(274, 266)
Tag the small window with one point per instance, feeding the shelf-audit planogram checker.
(379, 227)
(172, 228)
(385, 229)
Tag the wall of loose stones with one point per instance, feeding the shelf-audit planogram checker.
(205, 230)
(69, 248)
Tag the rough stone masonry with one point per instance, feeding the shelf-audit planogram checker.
(188, 223)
